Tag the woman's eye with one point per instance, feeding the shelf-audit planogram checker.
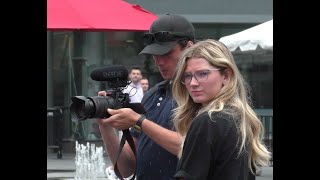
(202, 74)
(187, 76)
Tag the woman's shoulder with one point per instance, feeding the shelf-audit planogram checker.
(224, 114)
(219, 125)
(223, 118)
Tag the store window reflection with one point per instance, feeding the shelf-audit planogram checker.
(61, 77)
(257, 69)
(75, 54)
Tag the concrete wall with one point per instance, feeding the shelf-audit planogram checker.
(212, 11)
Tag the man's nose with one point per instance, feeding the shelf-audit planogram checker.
(159, 60)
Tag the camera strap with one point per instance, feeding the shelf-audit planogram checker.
(125, 137)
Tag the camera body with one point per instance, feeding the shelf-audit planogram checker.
(83, 108)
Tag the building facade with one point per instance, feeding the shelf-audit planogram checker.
(72, 55)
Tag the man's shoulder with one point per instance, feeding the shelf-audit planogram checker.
(162, 83)
(152, 90)
(127, 88)
(156, 86)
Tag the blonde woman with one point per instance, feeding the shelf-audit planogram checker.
(222, 134)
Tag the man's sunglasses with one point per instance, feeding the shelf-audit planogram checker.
(162, 36)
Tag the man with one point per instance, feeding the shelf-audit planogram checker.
(157, 145)
(134, 89)
(144, 84)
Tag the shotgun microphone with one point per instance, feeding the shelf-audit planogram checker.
(110, 73)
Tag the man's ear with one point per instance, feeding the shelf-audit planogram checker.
(189, 44)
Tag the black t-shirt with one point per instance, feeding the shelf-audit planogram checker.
(211, 150)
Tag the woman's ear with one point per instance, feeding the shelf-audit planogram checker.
(227, 73)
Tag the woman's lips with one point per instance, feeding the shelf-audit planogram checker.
(196, 93)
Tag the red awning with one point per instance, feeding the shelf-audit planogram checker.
(97, 15)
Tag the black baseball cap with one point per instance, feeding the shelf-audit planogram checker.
(168, 23)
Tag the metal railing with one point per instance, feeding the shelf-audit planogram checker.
(266, 117)
(54, 130)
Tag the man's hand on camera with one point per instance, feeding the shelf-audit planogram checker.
(102, 93)
(121, 119)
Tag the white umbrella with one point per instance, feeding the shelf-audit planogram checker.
(249, 39)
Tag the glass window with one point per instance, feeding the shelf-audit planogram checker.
(76, 54)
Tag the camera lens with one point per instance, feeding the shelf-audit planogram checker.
(83, 108)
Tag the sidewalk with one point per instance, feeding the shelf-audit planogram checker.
(63, 169)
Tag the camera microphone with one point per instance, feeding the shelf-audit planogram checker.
(110, 73)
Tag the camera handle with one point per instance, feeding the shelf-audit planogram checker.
(125, 137)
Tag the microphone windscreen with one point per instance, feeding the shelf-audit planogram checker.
(110, 73)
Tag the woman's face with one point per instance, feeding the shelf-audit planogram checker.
(211, 80)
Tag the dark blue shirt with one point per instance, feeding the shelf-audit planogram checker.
(153, 161)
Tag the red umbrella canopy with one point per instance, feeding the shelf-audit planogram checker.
(97, 15)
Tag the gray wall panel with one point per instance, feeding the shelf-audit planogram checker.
(212, 11)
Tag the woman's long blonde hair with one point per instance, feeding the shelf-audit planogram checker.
(233, 94)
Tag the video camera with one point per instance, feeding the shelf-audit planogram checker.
(116, 76)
